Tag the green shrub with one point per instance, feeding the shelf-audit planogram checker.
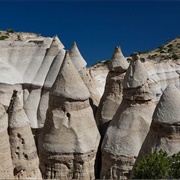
(3, 37)
(175, 57)
(142, 60)
(170, 45)
(10, 30)
(158, 165)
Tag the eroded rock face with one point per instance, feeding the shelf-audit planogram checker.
(28, 63)
(6, 166)
(165, 127)
(112, 96)
(129, 126)
(80, 65)
(23, 149)
(69, 139)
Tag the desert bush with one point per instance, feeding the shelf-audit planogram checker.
(3, 37)
(158, 165)
(10, 31)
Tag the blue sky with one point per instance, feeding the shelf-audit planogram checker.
(96, 26)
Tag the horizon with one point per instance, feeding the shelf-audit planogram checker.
(96, 26)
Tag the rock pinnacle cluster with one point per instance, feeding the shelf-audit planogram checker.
(69, 139)
(80, 65)
(165, 126)
(129, 126)
(112, 96)
(54, 124)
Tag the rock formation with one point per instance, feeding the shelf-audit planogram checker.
(165, 126)
(69, 139)
(36, 103)
(112, 96)
(23, 149)
(129, 126)
(6, 166)
(80, 65)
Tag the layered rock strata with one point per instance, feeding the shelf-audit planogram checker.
(164, 131)
(129, 126)
(69, 139)
(80, 65)
(23, 148)
(112, 96)
(6, 166)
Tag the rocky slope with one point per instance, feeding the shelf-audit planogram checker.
(50, 91)
(162, 64)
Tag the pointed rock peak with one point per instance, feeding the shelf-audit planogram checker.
(68, 83)
(14, 103)
(167, 109)
(56, 42)
(17, 116)
(118, 61)
(136, 75)
(77, 58)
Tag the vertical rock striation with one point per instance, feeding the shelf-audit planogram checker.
(6, 167)
(112, 96)
(69, 139)
(165, 127)
(36, 106)
(129, 126)
(23, 149)
(80, 65)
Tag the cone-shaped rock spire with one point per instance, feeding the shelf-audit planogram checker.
(165, 127)
(128, 128)
(80, 65)
(112, 96)
(68, 83)
(23, 149)
(69, 139)
(118, 61)
(6, 166)
(57, 42)
(77, 58)
(166, 110)
(136, 74)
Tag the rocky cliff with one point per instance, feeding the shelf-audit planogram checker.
(56, 97)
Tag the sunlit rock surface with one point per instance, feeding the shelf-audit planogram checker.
(70, 138)
(129, 126)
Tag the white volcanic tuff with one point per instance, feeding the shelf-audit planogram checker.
(25, 56)
(129, 126)
(118, 61)
(51, 53)
(165, 126)
(23, 149)
(46, 75)
(49, 81)
(69, 139)
(65, 87)
(135, 77)
(6, 91)
(159, 76)
(6, 166)
(167, 108)
(112, 96)
(77, 58)
(54, 69)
